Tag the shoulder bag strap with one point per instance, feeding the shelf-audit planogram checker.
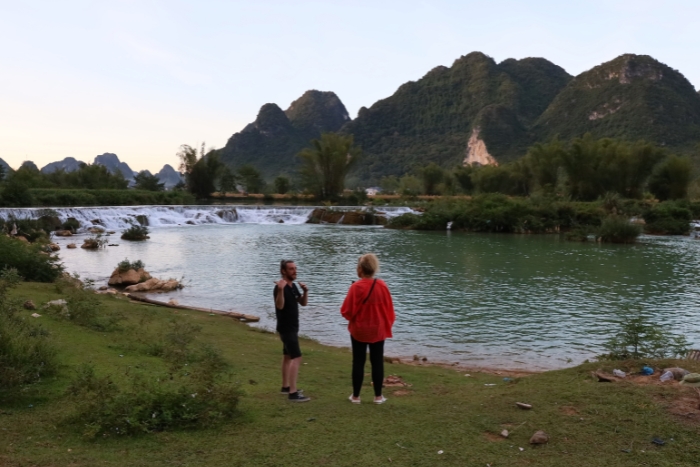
(370, 291)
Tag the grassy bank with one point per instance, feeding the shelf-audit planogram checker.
(589, 423)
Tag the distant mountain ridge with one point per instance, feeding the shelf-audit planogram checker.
(167, 175)
(480, 111)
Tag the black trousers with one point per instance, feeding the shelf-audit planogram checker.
(359, 357)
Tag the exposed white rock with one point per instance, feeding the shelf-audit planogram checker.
(477, 154)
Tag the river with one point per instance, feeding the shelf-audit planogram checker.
(510, 301)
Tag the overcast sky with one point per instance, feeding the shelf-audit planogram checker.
(140, 78)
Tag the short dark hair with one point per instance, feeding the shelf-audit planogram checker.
(284, 263)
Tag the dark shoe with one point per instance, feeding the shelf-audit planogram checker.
(286, 390)
(298, 397)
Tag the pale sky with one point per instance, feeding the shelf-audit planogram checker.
(140, 78)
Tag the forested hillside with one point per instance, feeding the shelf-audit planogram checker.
(483, 112)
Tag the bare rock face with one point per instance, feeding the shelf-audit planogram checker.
(477, 154)
(155, 285)
(130, 277)
(540, 437)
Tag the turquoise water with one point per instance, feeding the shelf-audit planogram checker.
(512, 301)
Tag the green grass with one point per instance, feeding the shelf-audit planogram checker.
(589, 423)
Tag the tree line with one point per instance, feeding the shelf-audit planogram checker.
(583, 169)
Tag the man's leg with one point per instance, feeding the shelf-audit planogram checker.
(286, 361)
(359, 357)
(292, 373)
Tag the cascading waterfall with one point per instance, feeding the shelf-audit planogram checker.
(122, 217)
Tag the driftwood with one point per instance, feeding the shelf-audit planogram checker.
(232, 314)
(604, 377)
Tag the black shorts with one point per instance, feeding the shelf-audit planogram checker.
(290, 342)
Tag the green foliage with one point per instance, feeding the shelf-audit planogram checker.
(83, 306)
(431, 176)
(326, 164)
(145, 181)
(152, 402)
(410, 185)
(228, 180)
(65, 197)
(639, 338)
(631, 97)
(204, 175)
(389, 185)
(668, 218)
(88, 176)
(15, 194)
(432, 120)
(94, 243)
(671, 178)
(126, 265)
(29, 260)
(26, 354)
(136, 233)
(502, 214)
(463, 176)
(251, 179)
(282, 184)
(618, 229)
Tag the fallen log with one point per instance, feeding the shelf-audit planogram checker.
(239, 316)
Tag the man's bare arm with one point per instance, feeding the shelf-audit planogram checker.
(279, 294)
(304, 299)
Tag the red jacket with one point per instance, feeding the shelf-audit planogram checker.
(369, 322)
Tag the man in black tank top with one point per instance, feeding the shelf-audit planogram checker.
(287, 301)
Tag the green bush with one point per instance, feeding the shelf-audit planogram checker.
(136, 233)
(84, 308)
(29, 260)
(107, 197)
(639, 338)
(126, 265)
(25, 351)
(201, 397)
(618, 229)
(668, 218)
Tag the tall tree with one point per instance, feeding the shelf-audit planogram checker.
(671, 178)
(228, 180)
(326, 164)
(146, 181)
(431, 175)
(204, 175)
(251, 179)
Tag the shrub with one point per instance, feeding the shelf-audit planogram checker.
(30, 261)
(126, 265)
(84, 308)
(94, 243)
(25, 352)
(135, 232)
(639, 338)
(71, 224)
(201, 398)
(618, 229)
(668, 218)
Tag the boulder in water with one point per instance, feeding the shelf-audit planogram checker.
(155, 285)
(63, 233)
(130, 277)
(71, 246)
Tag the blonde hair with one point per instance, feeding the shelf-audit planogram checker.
(368, 264)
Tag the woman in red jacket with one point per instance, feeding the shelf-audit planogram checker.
(370, 312)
